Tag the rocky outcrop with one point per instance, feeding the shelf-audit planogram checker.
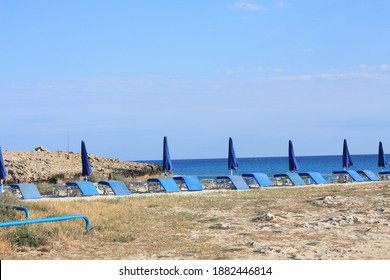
(42, 165)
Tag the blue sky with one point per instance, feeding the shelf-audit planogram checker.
(122, 74)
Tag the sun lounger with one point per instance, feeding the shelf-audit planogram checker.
(168, 184)
(86, 188)
(117, 187)
(292, 177)
(349, 174)
(191, 182)
(28, 191)
(314, 177)
(385, 175)
(236, 180)
(59, 189)
(261, 179)
(371, 176)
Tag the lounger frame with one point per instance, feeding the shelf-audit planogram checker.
(191, 183)
(261, 179)
(166, 184)
(235, 181)
(289, 178)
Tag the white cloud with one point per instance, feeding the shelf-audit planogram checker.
(247, 6)
(331, 76)
(251, 70)
(374, 68)
(269, 69)
(294, 78)
(363, 71)
(282, 5)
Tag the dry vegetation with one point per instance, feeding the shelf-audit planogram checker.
(349, 221)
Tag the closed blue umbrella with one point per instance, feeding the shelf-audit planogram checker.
(3, 172)
(87, 170)
(347, 160)
(292, 161)
(167, 163)
(232, 160)
(381, 157)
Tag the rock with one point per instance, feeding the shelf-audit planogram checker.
(266, 217)
(330, 200)
(220, 226)
(270, 249)
(343, 219)
(42, 165)
(297, 256)
(41, 149)
(372, 221)
(261, 251)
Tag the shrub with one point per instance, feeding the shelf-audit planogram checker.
(23, 236)
(45, 188)
(95, 177)
(7, 200)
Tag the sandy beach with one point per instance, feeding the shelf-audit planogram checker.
(345, 221)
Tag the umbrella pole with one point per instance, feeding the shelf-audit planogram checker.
(1, 186)
(231, 172)
(86, 178)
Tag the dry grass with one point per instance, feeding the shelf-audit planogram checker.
(349, 221)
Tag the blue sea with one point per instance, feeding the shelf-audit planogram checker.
(269, 165)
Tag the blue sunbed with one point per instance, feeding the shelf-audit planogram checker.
(316, 177)
(352, 173)
(262, 179)
(85, 187)
(384, 175)
(168, 184)
(192, 182)
(118, 187)
(295, 179)
(28, 191)
(237, 181)
(369, 174)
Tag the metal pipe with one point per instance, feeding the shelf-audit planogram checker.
(47, 220)
(19, 208)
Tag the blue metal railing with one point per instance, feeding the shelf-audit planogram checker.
(19, 208)
(47, 220)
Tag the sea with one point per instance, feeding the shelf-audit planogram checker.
(269, 165)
